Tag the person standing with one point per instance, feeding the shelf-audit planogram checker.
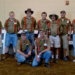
(41, 24)
(12, 26)
(53, 29)
(65, 26)
(28, 25)
(73, 25)
(0, 38)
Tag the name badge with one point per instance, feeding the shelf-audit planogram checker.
(25, 30)
(68, 21)
(35, 31)
(27, 44)
(15, 22)
(45, 44)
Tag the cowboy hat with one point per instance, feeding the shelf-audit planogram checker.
(29, 11)
(50, 16)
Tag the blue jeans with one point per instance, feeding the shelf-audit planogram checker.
(21, 58)
(74, 43)
(10, 38)
(30, 37)
(45, 56)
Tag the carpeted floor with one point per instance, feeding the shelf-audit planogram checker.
(9, 67)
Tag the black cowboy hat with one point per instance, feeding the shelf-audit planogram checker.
(29, 11)
(50, 16)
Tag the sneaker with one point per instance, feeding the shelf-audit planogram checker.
(5, 56)
(28, 62)
(74, 60)
(0, 57)
(65, 59)
(46, 65)
(52, 60)
(19, 63)
(58, 58)
(15, 57)
(56, 61)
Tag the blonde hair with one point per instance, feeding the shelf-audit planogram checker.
(11, 12)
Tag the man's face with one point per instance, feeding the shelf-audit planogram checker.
(23, 37)
(53, 18)
(44, 16)
(28, 13)
(11, 15)
(42, 33)
(63, 15)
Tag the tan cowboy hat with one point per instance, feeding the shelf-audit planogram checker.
(50, 16)
(29, 11)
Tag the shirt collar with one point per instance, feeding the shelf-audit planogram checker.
(13, 19)
(54, 22)
(43, 39)
(28, 18)
(43, 21)
(23, 41)
(64, 19)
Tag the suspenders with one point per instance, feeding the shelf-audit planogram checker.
(26, 25)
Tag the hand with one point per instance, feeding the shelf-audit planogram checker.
(26, 55)
(40, 54)
(29, 53)
(69, 37)
(38, 59)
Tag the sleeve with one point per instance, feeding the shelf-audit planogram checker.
(34, 23)
(47, 27)
(37, 25)
(35, 43)
(18, 23)
(60, 27)
(22, 21)
(18, 45)
(48, 21)
(48, 42)
(29, 43)
(70, 23)
(5, 23)
(22, 24)
(0, 25)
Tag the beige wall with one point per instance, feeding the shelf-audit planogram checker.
(50, 6)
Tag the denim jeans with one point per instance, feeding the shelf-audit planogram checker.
(74, 43)
(45, 56)
(30, 37)
(11, 38)
(21, 58)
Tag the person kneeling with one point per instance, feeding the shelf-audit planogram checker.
(42, 50)
(24, 50)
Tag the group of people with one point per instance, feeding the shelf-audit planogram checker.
(41, 47)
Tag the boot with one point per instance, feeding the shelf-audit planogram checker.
(19, 63)
(52, 60)
(46, 65)
(56, 61)
(14, 56)
(5, 56)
